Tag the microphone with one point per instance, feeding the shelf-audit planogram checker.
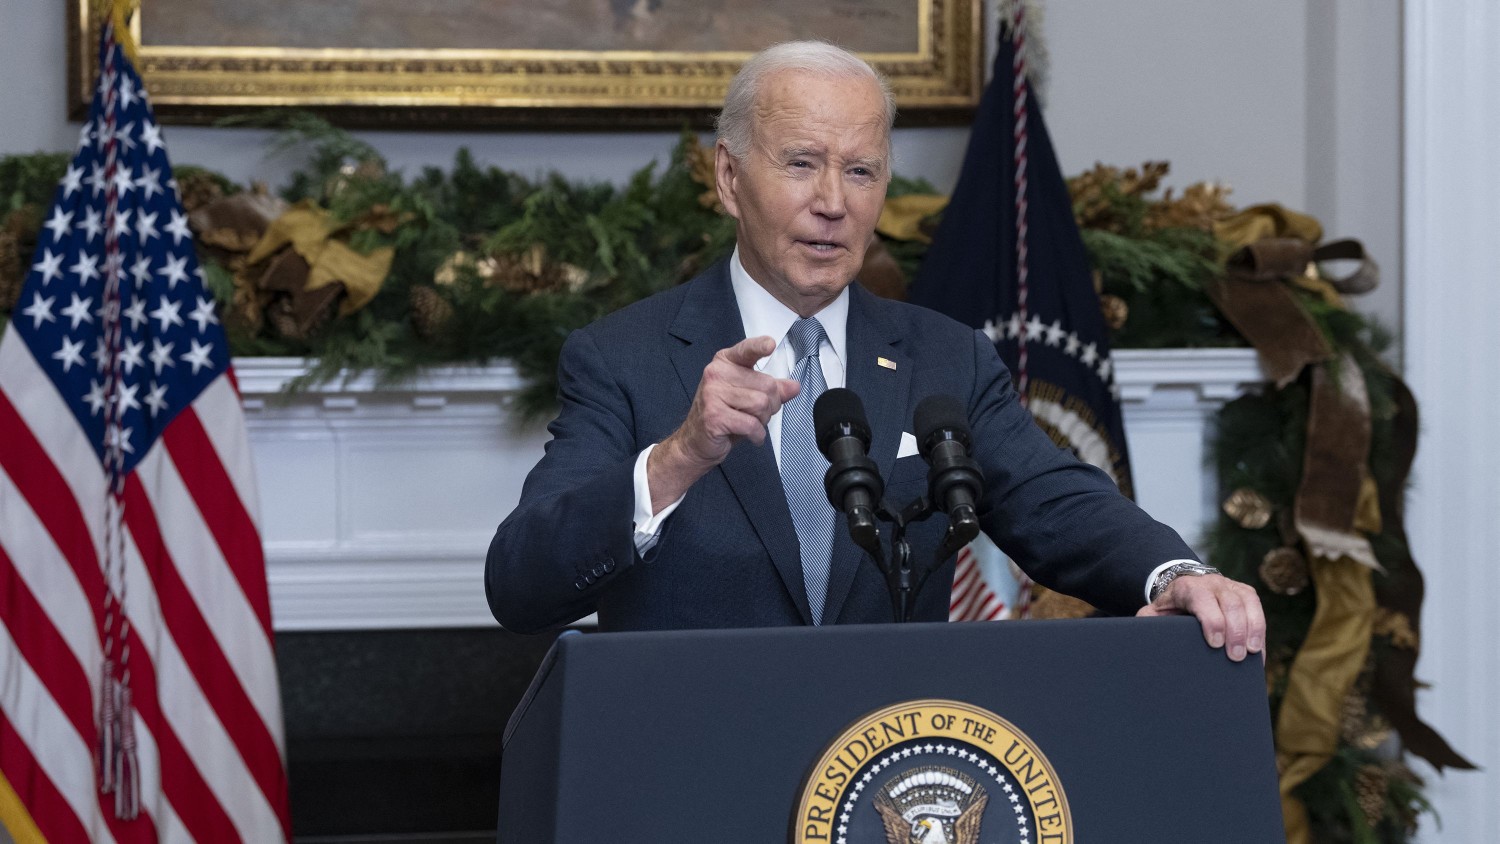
(853, 481)
(954, 481)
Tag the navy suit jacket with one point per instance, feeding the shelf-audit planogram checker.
(728, 556)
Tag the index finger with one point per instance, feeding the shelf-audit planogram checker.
(749, 350)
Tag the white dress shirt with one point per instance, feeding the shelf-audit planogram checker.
(762, 315)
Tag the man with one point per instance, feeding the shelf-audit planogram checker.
(681, 488)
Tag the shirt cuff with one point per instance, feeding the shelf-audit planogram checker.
(648, 524)
(1155, 573)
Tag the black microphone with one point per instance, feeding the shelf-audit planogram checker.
(853, 481)
(954, 481)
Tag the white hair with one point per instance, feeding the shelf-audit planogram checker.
(816, 57)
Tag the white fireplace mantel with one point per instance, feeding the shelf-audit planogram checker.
(378, 502)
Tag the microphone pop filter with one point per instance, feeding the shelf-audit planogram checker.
(936, 414)
(835, 409)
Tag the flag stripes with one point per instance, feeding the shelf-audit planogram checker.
(973, 597)
(135, 623)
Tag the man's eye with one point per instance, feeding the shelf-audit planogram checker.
(800, 164)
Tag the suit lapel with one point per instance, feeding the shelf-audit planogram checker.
(884, 391)
(710, 321)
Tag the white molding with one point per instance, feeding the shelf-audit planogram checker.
(1451, 221)
(1215, 375)
(379, 502)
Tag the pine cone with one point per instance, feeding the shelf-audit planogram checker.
(197, 189)
(1284, 571)
(430, 312)
(1249, 509)
(1371, 783)
(1115, 309)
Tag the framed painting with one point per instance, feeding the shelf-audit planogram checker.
(523, 63)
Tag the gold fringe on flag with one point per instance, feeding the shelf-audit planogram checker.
(120, 13)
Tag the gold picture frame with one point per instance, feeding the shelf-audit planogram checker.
(936, 71)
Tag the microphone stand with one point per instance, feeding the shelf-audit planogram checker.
(901, 579)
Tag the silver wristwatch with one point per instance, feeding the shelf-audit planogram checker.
(1176, 570)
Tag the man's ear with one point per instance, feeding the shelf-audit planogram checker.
(726, 171)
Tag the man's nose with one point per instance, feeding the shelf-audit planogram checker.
(828, 197)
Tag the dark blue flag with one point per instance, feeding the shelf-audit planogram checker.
(1007, 258)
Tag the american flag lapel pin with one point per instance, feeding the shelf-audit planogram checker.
(886, 362)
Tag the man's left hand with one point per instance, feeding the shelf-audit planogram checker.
(1228, 610)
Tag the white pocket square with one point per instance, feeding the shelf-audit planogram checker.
(908, 447)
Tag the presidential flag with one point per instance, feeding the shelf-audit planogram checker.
(1007, 258)
(138, 690)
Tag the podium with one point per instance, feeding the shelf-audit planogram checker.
(1042, 732)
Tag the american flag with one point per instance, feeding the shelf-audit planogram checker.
(138, 689)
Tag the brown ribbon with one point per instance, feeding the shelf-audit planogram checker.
(1338, 501)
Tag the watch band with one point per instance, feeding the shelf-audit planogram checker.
(1176, 570)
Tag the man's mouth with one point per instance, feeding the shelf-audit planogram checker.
(823, 245)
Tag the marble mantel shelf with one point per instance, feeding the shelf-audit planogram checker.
(378, 501)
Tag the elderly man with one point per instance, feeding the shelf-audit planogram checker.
(682, 487)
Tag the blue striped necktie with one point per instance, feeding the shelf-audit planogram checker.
(803, 466)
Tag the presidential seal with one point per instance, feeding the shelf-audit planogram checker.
(932, 772)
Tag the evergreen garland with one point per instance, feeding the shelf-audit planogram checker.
(550, 255)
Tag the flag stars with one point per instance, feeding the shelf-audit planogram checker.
(167, 313)
(1013, 326)
(101, 353)
(107, 310)
(71, 353)
(124, 182)
(127, 93)
(161, 355)
(203, 314)
(122, 223)
(141, 270)
(95, 397)
(92, 224)
(72, 181)
(86, 268)
(112, 264)
(122, 136)
(149, 182)
(1106, 367)
(78, 310)
(145, 229)
(197, 356)
(50, 266)
(1090, 354)
(1055, 333)
(178, 228)
(40, 310)
(120, 438)
(156, 399)
(151, 136)
(1073, 345)
(125, 399)
(174, 271)
(1034, 328)
(130, 355)
(85, 132)
(136, 313)
(96, 179)
(59, 222)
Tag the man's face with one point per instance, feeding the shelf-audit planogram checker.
(810, 189)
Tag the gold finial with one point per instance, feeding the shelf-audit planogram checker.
(120, 12)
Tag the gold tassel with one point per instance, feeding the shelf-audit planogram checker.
(120, 13)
